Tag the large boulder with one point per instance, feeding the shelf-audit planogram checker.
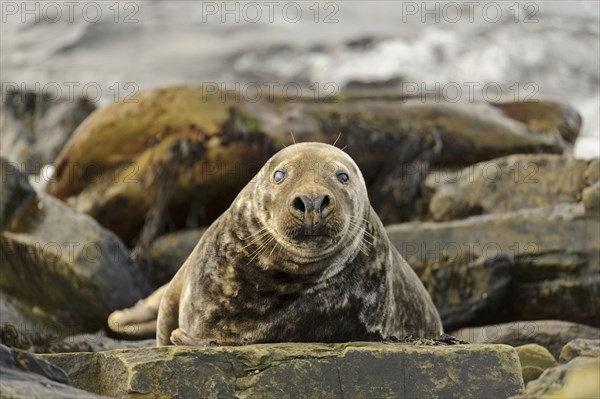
(35, 127)
(27, 376)
(507, 184)
(551, 334)
(112, 166)
(554, 253)
(350, 370)
(64, 262)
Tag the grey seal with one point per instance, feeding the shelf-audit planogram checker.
(300, 255)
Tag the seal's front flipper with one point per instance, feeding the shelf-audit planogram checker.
(181, 338)
(138, 321)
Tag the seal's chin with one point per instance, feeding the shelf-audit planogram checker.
(313, 241)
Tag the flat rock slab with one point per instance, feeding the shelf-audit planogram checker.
(298, 370)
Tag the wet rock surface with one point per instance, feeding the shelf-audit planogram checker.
(299, 370)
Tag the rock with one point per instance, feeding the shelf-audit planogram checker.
(575, 379)
(506, 184)
(554, 253)
(580, 347)
(27, 376)
(16, 193)
(21, 324)
(581, 382)
(35, 127)
(534, 360)
(98, 342)
(66, 264)
(40, 342)
(551, 334)
(222, 150)
(299, 370)
(546, 117)
(592, 174)
(591, 197)
(169, 251)
(394, 141)
(466, 287)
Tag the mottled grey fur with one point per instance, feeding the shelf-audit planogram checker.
(255, 276)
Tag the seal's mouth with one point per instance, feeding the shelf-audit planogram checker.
(316, 240)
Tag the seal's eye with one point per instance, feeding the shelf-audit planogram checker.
(279, 176)
(343, 177)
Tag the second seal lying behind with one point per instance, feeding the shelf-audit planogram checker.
(299, 256)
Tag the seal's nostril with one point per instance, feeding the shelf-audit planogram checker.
(321, 202)
(324, 203)
(299, 204)
(303, 204)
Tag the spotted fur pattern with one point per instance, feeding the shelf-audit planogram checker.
(255, 277)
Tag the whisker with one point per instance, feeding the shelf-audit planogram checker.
(259, 250)
(336, 140)
(361, 227)
(256, 240)
(274, 246)
(253, 234)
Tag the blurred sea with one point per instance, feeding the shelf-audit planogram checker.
(469, 50)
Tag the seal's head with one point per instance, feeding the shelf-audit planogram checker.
(312, 196)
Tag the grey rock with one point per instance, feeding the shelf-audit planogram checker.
(27, 376)
(35, 127)
(591, 197)
(65, 262)
(551, 334)
(575, 379)
(506, 184)
(554, 251)
(580, 347)
(16, 193)
(299, 370)
(169, 251)
(466, 288)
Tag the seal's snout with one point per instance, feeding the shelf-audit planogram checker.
(303, 204)
(312, 211)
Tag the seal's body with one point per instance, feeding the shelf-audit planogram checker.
(299, 256)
